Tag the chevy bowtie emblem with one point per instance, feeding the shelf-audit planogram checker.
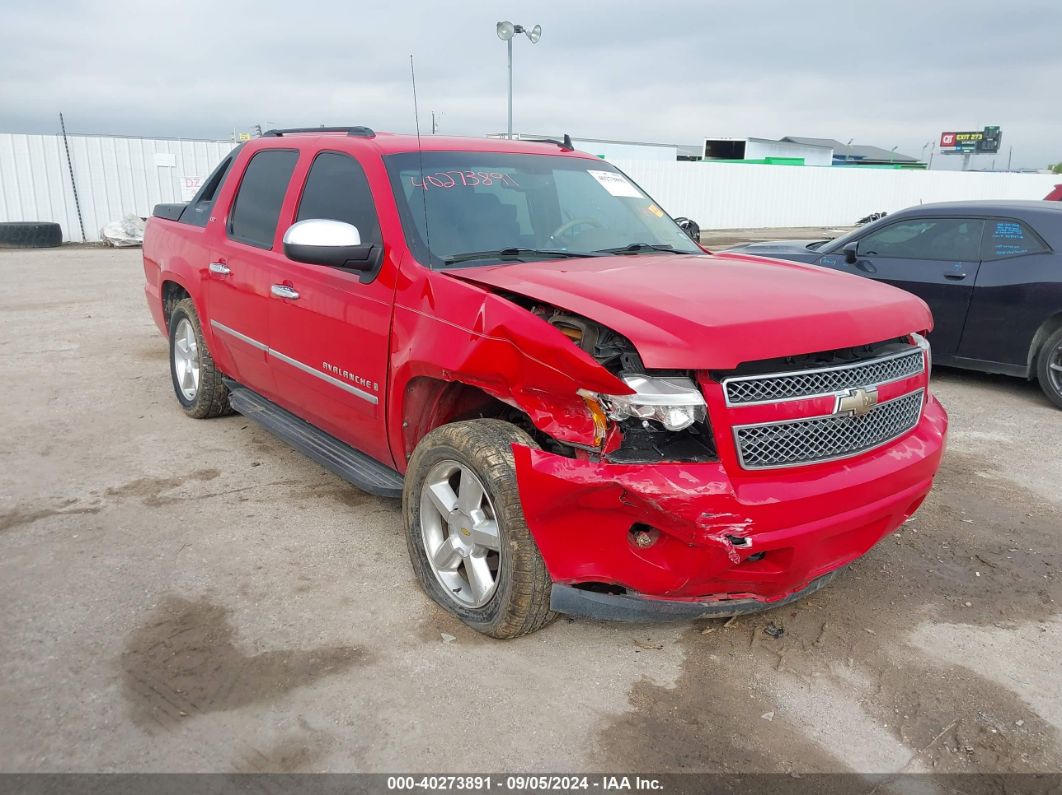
(857, 402)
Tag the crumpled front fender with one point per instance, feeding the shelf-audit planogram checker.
(500, 348)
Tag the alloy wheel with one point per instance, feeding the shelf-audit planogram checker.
(1054, 369)
(460, 532)
(186, 359)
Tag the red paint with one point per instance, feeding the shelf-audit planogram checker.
(436, 346)
(808, 521)
(701, 312)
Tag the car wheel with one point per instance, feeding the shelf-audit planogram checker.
(196, 381)
(1049, 368)
(465, 529)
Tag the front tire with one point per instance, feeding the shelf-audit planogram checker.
(465, 530)
(196, 380)
(1049, 368)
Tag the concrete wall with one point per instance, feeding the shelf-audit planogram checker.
(115, 177)
(736, 196)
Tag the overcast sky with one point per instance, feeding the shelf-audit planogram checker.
(888, 73)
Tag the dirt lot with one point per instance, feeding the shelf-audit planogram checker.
(195, 596)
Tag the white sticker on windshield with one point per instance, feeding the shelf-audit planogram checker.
(616, 184)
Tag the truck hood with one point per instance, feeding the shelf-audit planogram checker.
(714, 311)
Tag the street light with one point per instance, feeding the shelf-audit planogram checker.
(506, 31)
(925, 146)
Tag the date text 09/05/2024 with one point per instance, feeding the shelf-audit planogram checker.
(523, 783)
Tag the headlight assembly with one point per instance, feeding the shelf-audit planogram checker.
(675, 402)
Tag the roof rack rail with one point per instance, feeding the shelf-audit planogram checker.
(356, 132)
(565, 145)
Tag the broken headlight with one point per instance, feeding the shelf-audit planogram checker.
(675, 402)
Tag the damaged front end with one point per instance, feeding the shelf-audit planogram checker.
(639, 500)
(663, 416)
(663, 520)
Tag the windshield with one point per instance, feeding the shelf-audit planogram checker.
(476, 208)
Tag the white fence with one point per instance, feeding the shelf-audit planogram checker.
(738, 196)
(117, 176)
(114, 176)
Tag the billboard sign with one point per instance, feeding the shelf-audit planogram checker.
(983, 142)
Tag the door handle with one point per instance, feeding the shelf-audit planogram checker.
(220, 268)
(283, 291)
(954, 276)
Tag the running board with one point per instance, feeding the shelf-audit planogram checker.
(337, 457)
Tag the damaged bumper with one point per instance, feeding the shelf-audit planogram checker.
(720, 544)
(633, 608)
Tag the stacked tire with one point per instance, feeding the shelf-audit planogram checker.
(30, 234)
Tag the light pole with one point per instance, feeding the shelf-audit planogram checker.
(506, 31)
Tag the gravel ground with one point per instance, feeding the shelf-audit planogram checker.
(195, 596)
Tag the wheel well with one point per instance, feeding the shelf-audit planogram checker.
(172, 294)
(1047, 328)
(430, 403)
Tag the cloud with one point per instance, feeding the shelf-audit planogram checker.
(890, 74)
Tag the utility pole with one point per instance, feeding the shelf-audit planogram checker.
(1010, 155)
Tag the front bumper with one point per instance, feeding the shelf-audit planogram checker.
(632, 608)
(756, 540)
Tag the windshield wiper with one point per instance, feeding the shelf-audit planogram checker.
(637, 248)
(514, 253)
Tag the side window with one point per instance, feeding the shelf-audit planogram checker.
(198, 210)
(927, 238)
(256, 208)
(337, 189)
(1009, 238)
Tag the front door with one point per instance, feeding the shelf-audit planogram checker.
(329, 328)
(935, 258)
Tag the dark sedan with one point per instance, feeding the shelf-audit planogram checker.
(991, 273)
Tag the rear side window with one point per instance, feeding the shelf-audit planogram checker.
(198, 210)
(256, 209)
(336, 189)
(1010, 238)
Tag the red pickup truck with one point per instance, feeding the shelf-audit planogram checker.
(583, 411)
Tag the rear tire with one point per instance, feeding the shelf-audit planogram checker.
(474, 555)
(1049, 368)
(196, 380)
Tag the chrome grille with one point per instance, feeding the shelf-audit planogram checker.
(793, 442)
(822, 381)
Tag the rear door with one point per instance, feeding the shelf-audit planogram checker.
(237, 283)
(935, 258)
(329, 328)
(1018, 287)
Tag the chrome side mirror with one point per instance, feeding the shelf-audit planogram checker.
(322, 241)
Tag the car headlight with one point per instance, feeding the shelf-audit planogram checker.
(923, 343)
(674, 402)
